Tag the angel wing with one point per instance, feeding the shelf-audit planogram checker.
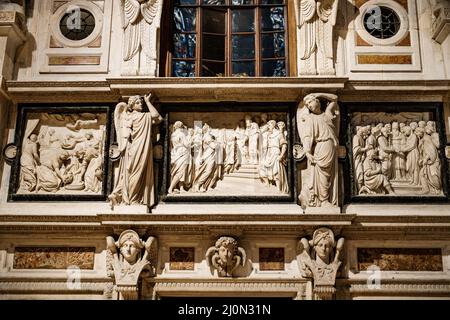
(302, 121)
(209, 254)
(151, 251)
(243, 254)
(120, 114)
(129, 10)
(149, 10)
(307, 10)
(307, 23)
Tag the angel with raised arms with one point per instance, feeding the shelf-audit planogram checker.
(140, 19)
(316, 20)
(134, 182)
(319, 135)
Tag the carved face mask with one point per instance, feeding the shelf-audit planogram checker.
(129, 251)
(323, 249)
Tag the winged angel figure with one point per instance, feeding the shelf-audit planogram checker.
(134, 182)
(139, 21)
(316, 19)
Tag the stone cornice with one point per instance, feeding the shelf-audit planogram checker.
(166, 287)
(440, 27)
(430, 227)
(217, 89)
(53, 287)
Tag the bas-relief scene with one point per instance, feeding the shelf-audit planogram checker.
(62, 153)
(228, 154)
(182, 258)
(396, 154)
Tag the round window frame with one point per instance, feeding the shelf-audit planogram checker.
(394, 6)
(61, 12)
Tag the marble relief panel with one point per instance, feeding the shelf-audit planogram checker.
(228, 154)
(62, 153)
(53, 258)
(396, 154)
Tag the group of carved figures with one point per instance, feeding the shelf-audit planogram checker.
(202, 156)
(387, 156)
(318, 258)
(53, 161)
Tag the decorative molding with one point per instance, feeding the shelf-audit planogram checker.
(402, 288)
(440, 27)
(165, 287)
(52, 287)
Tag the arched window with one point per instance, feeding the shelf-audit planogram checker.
(226, 38)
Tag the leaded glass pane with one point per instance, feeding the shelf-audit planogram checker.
(183, 68)
(184, 45)
(243, 47)
(244, 69)
(244, 20)
(273, 45)
(272, 19)
(185, 19)
(274, 68)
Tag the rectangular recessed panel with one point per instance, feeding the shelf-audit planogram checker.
(54, 258)
(384, 59)
(73, 60)
(271, 259)
(182, 258)
(400, 259)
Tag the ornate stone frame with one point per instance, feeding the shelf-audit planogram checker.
(23, 110)
(436, 109)
(288, 108)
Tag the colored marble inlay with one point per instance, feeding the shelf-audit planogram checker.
(182, 258)
(384, 59)
(400, 259)
(53, 258)
(74, 60)
(271, 259)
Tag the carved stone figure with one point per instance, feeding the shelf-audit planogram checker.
(140, 21)
(273, 165)
(134, 183)
(28, 163)
(316, 20)
(319, 259)
(318, 134)
(206, 173)
(253, 140)
(359, 150)
(131, 256)
(226, 256)
(180, 157)
(430, 173)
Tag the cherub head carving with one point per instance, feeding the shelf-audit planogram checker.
(226, 256)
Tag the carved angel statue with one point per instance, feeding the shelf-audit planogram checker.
(140, 20)
(319, 135)
(319, 258)
(226, 256)
(131, 256)
(316, 20)
(134, 183)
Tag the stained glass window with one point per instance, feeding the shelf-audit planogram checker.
(223, 38)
